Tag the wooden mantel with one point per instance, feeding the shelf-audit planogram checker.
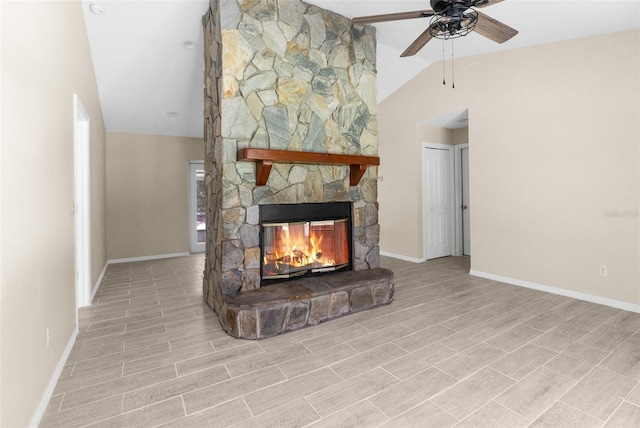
(264, 159)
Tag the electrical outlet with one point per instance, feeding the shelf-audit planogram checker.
(603, 270)
(48, 337)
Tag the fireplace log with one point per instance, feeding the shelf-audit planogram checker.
(264, 159)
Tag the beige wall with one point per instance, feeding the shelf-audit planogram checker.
(147, 199)
(45, 60)
(460, 136)
(426, 133)
(554, 150)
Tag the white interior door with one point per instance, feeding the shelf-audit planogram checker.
(437, 206)
(82, 204)
(197, 207)
(466, 234)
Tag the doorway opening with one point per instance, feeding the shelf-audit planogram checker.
(462, 205)
(445, 187)
(197, 208)
(82, 204)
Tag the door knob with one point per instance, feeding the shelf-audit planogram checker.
(464, 207)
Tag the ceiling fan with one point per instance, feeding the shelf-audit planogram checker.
(449, 19)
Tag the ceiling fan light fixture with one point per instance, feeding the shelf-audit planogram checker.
(453, 26)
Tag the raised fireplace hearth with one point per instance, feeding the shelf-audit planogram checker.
(291, 305)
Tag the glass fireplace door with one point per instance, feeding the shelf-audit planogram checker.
(295, 248)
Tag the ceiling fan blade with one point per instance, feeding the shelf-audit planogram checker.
(487, 3)
(493, 29)
(418, 43)
(392, 17)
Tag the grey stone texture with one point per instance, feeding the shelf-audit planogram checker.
(212, 282)
(282, 74)
(292, 305)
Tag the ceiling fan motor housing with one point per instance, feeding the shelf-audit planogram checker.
(447, 7)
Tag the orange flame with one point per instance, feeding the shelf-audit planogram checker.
(296, 250)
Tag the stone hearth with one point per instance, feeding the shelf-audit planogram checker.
(292, 305)
(282, 75)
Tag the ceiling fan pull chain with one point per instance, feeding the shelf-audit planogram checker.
(453, 72)
(443, 81)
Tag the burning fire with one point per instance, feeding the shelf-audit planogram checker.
(297, 249)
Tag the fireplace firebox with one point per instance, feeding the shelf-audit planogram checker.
(304, 239)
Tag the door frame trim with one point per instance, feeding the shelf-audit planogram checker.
(82, 202)
(457, 190)
(194, 247)
(448, 148)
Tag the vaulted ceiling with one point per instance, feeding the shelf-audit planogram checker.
(148, 54)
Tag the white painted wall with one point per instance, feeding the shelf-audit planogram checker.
(392, 74)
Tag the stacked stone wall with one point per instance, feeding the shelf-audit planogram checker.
(211, 288)
(294, 77)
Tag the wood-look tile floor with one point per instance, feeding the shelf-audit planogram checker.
(451, 350)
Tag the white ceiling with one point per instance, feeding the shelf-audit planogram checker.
(453, 120)
(144, 72)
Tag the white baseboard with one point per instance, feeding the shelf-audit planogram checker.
(401, 257)
(561, 291)
(42, 407)
(145, 258)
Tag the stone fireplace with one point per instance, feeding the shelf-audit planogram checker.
(290, 124)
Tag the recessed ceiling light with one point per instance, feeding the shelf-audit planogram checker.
(189, 44)
(96, 9)
(172, 113)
